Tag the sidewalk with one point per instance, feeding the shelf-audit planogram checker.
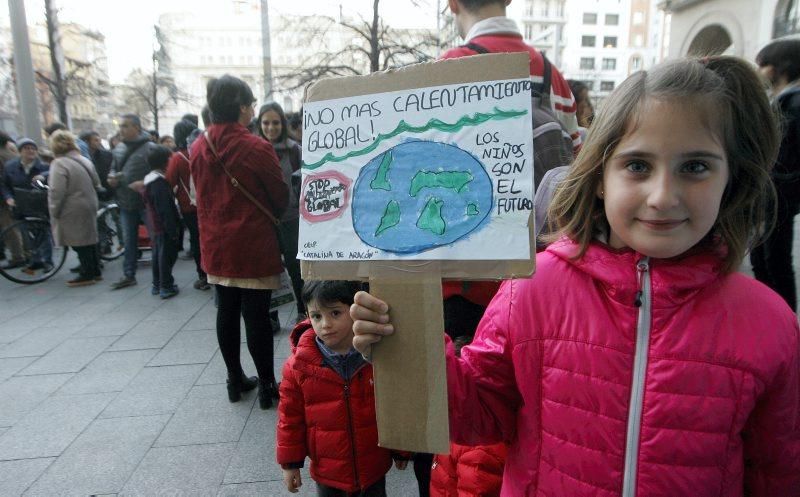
(121, 393)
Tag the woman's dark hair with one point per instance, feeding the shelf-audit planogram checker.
(278, 110)
(577, 88)
(192, 118)
(182, 130)
(784, 55)
(295, 119)
(330, 292)
(226, 95)
(4, 139)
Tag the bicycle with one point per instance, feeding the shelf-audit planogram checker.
(33, 230)
(28, 242)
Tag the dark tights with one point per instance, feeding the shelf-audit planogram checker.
(253, 306)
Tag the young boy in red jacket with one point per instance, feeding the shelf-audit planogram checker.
(327, 402)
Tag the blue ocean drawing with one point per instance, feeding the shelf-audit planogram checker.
(420, 195)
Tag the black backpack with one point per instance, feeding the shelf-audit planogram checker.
(552, 144)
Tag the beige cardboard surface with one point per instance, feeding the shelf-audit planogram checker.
(410, 375)
(409, 367)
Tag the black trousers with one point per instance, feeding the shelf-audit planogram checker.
(772, 260)
(377, 489)
(288, 235)
(90, 261)
(190, 220)
(253, 306)
(165, 252)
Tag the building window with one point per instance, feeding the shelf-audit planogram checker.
(529, 31)
(587, 62)
(588, 41)
(544, 10)
(612, 19)
(606, 85)
(589, 18)
(636, 63)
(589, 84)
(609, 64)
(638, 18)
(610, 42)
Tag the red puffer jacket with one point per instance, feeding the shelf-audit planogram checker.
(706, 404)
(468, 471)
(328, 419)
(237, 240)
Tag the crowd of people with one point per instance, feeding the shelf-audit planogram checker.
(636, 361)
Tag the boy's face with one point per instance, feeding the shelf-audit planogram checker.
(332, 324)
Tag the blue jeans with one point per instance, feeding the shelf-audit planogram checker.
(130, 238)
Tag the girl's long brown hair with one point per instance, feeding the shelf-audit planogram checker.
(732, 95)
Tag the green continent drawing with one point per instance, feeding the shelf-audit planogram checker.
(472, 209)
(381, 180)
(454, 180)
(431, 218)
(391, 217)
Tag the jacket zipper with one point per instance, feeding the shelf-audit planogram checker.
(350, 430)
(643, 302)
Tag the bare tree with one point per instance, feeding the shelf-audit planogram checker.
(148, 93)
(374, 46)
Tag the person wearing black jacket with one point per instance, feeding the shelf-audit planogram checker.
(779, 62)
(103, 159)
(160, 203)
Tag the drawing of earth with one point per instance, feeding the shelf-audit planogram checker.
(420, 195)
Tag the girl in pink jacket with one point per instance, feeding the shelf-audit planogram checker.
(637, 362)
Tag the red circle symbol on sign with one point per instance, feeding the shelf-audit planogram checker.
(324, 196)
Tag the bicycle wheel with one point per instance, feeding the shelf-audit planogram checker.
(36, 259)
(109, 233)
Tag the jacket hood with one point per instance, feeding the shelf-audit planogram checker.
(675, 279)
(297, 332)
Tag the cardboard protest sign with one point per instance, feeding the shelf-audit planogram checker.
(409, 177)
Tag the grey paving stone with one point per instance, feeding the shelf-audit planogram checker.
(101, 459)
(216, 372)
(188, 470)
(188, 347)
(38, 342)
(158, 390)
(10, 334)
(87, 313)
(108, 372)
(52, 426)
(205, 318)
(16, 476)
(21, 394)
(11, 365)
(206, 416)
(107, 327)
(259, 489)
(254, 457)
(69, 357)
(147, 335)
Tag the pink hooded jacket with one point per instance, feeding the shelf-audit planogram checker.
(694, 392)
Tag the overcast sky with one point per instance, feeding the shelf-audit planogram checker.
(123, 22)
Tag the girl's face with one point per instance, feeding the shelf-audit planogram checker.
(663, 184)
(271, 125)
(332, 324)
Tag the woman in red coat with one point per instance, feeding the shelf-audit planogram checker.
(238, 240)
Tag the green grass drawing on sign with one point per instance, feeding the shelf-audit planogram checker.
(391, 217)
(381, 180)
(431, 218)
(454, 180)
(404, 127)
(472, 209)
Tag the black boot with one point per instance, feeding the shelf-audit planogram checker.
(267, 390)
(238, 383)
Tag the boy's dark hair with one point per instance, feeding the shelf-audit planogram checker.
(330, 292)
(226, 95)
(53, 127)
(158, 156)
(784, 55)
(295, 119)
(205, 115)
(87, 135)
(191, 118)
(153, 133)
(475, 5)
